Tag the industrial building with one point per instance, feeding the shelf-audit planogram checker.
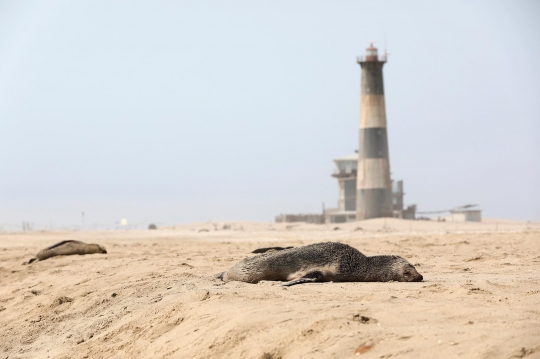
(346, 175)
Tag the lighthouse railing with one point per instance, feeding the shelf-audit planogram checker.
(381, 58)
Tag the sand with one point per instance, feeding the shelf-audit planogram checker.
(154, 295)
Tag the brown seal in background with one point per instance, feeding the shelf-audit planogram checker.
(66, 248)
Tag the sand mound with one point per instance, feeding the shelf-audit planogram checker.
(154, 295)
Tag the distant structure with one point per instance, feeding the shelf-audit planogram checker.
(347, 168)
(152, 226)
(374, 191)
(366, 189)
(397, 202)
(468, 213)
(346, 175)
(307, 218)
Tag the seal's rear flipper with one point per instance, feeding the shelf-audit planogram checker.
(30, 261)
(219, 275)
(264, 250)
(311, 277)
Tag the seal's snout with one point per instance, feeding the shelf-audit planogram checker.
(410, 274)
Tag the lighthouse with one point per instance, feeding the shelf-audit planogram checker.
(373, 186)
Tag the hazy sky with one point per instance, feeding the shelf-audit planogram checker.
(180, 111)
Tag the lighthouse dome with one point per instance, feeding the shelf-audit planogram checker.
(371, 53)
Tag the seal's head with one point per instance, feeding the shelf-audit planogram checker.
(392, 268)
(403, 271)
(96, 248)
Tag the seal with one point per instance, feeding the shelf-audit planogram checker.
(321, 262)
(269, 249)
(66, 248)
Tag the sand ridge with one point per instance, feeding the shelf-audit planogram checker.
(154, 294)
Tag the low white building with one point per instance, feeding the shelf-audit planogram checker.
(469, 213)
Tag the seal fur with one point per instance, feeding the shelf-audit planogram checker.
(321, 262)
(66, 248)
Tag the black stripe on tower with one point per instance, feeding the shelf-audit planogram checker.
(373, 143)
(372, 78)
(374, 203)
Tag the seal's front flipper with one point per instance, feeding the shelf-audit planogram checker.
(311, 277)
(219, 275)
(299, 281)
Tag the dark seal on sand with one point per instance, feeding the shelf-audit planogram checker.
(321, 262)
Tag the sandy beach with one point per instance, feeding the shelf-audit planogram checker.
(154, 294)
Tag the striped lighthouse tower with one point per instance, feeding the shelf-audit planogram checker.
(374, 191)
